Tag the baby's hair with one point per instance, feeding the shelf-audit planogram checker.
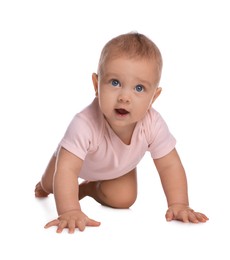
(131, 45)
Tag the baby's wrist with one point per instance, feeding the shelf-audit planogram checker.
(69, 211)
(178, 204)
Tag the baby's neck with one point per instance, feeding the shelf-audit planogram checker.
(125, 133)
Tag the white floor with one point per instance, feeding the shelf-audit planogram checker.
(139, 232)
(48, 50)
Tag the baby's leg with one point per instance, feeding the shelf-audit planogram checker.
(45, 186)
(117, 193)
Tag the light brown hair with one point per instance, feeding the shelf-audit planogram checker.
(131, 45)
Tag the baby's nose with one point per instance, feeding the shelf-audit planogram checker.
(124, 97)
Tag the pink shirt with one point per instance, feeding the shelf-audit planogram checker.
(105, 156)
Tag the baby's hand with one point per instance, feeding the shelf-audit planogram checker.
(184, 213)
(71, 220)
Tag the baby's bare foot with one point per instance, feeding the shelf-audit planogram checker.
(39, 192)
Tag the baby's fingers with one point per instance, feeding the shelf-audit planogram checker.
(93, 223)
(72, 224)
(52, 223)
(61, 224)
(169, 215)
(191, 216)
(87, 222)
(200, 217)
(187, 216)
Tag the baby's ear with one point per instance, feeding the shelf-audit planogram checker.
(95, 83)
(157, 94)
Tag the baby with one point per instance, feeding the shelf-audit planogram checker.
(105, 141)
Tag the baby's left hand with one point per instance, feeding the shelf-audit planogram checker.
(185, 214)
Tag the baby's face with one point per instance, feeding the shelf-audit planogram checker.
(126, 90)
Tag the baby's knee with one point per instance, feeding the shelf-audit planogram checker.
(122, 198)
(126, 201)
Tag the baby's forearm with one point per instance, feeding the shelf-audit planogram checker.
(65, 181)
(173, 178)
(175, 186)
(66, 192)
(47, 178)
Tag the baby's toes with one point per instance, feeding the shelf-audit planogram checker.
(39, 192)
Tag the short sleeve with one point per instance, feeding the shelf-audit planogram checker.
(161, 141)
(78, 137)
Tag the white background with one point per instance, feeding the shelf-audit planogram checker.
(48, 51)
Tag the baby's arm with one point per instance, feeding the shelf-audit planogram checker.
(65, 189)
(173, 179)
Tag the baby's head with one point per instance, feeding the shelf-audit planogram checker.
(134, 46)
(126, 83)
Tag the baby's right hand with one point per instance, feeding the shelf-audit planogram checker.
(71, 220)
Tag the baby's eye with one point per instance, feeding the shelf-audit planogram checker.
(139, 88)
(115, 83)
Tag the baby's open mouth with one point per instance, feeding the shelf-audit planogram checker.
(121, 111)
